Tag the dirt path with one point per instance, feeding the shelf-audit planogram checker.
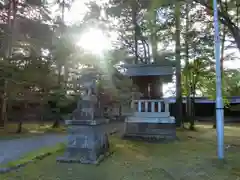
(14, 149)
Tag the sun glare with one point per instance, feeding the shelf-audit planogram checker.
(94, 41)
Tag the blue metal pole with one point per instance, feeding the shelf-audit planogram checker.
(219, 99)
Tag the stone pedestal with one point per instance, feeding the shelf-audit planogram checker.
(87, 142)
(154, 131)
(150, 125)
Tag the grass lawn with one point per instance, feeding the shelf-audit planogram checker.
(28, 130)
(193, 157)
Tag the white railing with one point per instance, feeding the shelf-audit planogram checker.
(156, 105)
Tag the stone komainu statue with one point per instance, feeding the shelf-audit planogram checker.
(86, 108)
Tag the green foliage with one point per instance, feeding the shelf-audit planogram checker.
(232, 82)
(34, 77)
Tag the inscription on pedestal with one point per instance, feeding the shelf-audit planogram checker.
(86, 144)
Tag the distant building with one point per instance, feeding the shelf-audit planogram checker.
(205, 108)
(232, 100)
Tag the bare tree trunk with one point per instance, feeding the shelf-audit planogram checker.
(19, 128)
(134, 21)
(4, 105)
(56, 123)
(195, 79)
(66, 76)
(235, 31)
(192, 107)
(154, 37)
(187, 87)
(179, 118)
(222, 50)
(120, 110)
(20, 121)
(63, 11)
(237, 12)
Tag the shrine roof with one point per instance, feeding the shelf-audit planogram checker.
(160, 63)
(147, 70)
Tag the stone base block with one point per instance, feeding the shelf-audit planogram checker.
(150, 131)
(82, 160)
(87, 143)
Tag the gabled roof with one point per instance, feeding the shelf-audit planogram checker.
(147, 70)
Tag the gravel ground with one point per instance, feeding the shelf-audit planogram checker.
(14, 149)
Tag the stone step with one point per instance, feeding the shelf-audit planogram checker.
(137, 119)
(151, 114)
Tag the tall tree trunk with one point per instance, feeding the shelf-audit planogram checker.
(179, 118)
(59, 75)
(192, 105)
(187, 73)
(154, 36)
(19, 128)
(20, 121)
(237, 12)
(145, 50)
(135, 25)
(192, 112)
(66, 76)
(234, 30)
(3, 120)
(56, 123)
(57, 117)
(222, 50)
(63, 11)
